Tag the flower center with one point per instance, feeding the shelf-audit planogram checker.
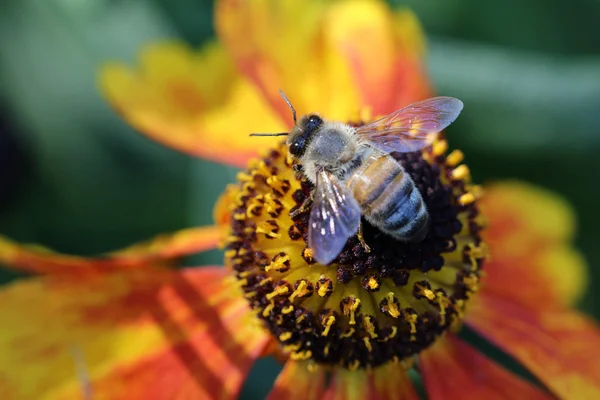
(366, 308)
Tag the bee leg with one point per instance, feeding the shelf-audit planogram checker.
(361, 238)
(303, 207)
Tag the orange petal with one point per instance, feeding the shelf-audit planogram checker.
(150, 334)
(530, 233)
(384, 50)
(388, 382)
(40, 260)
(273, 56)
(298, 381)
(453, 370)
(347, 55)
(560, 346)
(191, 101)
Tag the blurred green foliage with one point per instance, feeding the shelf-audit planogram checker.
(527, 70)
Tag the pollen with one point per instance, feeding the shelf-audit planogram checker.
(368, 307)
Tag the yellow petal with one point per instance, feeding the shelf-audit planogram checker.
(135, 335)
(40, 260)
(347, 55)
(192, 101)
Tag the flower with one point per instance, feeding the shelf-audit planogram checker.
(144, 330)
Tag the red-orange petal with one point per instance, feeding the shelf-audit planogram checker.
(558, 345)
(388, 382)
(299, 381)
(529, 235)
(40, 260)
(453, 370)
(152, 334)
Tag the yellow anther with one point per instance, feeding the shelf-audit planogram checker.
(302, 355)
(268, 309)
(244, 274)
(254, 209)
(268, 229)
(480, 251)
(412, 320)
(288, 309)
(240, 282)
(308, 253)
(443, 302)
(326, 349)
(466, 199)
(328, 324)
(278, 263)
(394, 332)
(278, 291)
(372, 283)
(354, 365)
(301, 290)
(440, 147)
(454, 158)
(348, 333)
(239, 216)
(285, 336)
(243, 177)
(261, 169)
(277, 183)
(369, 327)
(265, 281)
(230, 253)
(288, 348)
(323, 290)
(349, 308)
(368, 344)
(289, 160)
(392, 307)
(247, 188)
(460, 173)
(425, 292)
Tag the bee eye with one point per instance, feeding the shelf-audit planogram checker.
(297, 147)
(314, 121)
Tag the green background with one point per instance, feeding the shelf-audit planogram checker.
(79, 180)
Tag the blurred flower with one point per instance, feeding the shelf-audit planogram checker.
(148, 331)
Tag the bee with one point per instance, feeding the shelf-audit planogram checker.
(355, 176)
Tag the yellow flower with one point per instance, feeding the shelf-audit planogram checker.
(143, 330)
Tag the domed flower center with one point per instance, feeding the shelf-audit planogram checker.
(366, 308)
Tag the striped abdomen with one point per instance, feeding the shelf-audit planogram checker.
(389, 199)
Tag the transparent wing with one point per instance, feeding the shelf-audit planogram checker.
(334, 217)
(414, 127)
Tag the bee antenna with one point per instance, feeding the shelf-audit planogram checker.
(269, 134)
(289, 104)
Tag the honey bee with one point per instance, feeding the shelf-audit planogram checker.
(354, 174)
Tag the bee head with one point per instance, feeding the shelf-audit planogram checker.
(302, 134)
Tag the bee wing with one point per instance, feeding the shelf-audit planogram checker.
(334, 217)
(413, 127)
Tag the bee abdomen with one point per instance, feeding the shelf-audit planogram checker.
(389, 199)
(409, 219)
